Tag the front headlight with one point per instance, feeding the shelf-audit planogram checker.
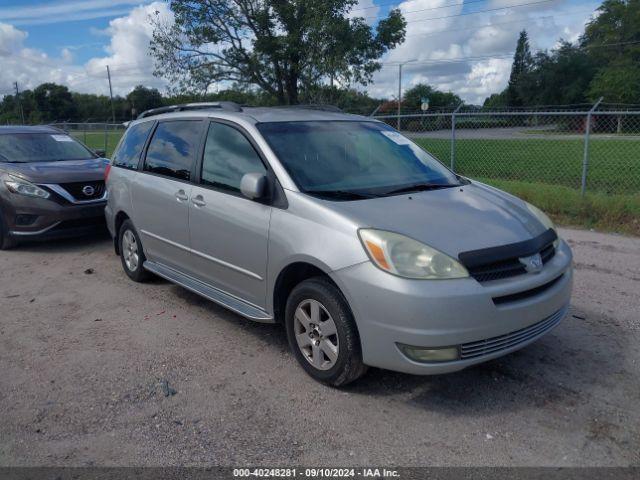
(405, 257)
(22, 187)
(544, 219)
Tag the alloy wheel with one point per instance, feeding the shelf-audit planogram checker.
(316, 334)
(130, 250)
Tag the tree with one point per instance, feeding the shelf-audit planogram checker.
(561, 77)
(522, 63)
(412, 99)
(54, 102)
(142, 98)
(618, 83)
(614, 34)
(280, 46)
(496, 100)
(612, 39)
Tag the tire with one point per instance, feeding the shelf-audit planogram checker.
(319, 322)
(131, 252)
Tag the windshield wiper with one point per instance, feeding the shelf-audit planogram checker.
(340, 194)
(421, 187)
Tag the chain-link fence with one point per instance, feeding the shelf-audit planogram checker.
(587, 150)
(97, 136)
(593, 150)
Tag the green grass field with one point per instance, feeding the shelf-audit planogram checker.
(614, 165)
(96, 140)
(545, 172)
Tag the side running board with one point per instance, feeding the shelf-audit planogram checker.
(215, 295)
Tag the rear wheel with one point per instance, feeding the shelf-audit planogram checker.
(131, 253)
(322, 333)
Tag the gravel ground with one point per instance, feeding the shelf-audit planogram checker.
(98, 370)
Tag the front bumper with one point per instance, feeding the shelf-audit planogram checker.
(441, 313)
(51, 219)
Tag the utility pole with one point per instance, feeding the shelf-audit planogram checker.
(399, 92)
(113, 111)
(19, 102)
(400, 65)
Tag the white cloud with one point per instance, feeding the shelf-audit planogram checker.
(366, 9)
(127, 55)
(11, 39)
(65, 11)
(436, 43)
(27, 66)
(128, 51)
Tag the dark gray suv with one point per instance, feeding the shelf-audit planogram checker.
(51, 185)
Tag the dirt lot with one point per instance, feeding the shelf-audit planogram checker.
(97, 370)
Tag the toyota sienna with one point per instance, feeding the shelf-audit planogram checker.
(367, 249)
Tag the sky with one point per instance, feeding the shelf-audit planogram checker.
(464, 46)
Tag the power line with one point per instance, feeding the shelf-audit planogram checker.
(451, 60)
(411, 1)
(480, 27)
(432, 8)
(480, 11)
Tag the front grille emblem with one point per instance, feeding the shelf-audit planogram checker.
(532, 263)
(88, 190)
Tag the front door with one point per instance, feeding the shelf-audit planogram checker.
(229, 232)
(161, 192)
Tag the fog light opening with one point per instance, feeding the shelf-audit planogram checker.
(25, 220)
(430, 354)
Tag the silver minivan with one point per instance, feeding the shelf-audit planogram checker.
(366, 248)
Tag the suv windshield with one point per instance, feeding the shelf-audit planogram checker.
(352, 160)
(41, 147)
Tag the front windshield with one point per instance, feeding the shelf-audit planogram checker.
(41, 147)
(358, 158)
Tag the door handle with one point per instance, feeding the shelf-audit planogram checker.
(198, 201)
(182, 196)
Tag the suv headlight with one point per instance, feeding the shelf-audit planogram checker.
(544, 219)
(405, 257)
(22, 187)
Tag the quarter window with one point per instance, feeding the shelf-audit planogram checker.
(128, 153)
(172, 149)
(228, 156)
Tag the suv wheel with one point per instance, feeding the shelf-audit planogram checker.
(322, 333)
(131, 252)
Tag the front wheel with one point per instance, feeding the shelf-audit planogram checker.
(322, 333)
(131, 253)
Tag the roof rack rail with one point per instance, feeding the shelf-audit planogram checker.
(324, 108)
(229, 106)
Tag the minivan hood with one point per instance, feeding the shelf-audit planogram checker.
(452, 220)
(63, 171)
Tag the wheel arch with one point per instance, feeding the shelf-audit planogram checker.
(120, 217)
(290, 276)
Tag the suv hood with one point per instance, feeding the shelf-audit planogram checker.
(452, 220)
(63, 171)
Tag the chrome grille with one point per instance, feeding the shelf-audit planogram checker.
(509, 340)
(76, 189)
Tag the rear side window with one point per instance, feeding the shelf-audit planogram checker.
(172, 149)
(128, 153)
(228, 155)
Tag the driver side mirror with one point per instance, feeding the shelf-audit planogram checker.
(254, 185)
(100, 152)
